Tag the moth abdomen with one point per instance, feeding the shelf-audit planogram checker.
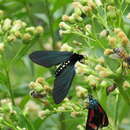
(62, 67)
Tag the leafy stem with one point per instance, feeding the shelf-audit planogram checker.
(50, 18)
(9, 86)
(116, 110)
(8, 82)
(28, 12)
(119, 82)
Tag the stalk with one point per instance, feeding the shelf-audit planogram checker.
(50, 22)
(9, 86)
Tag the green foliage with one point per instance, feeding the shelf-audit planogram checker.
(87, 27)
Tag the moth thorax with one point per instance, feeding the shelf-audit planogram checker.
(62, 67)
(76, 57)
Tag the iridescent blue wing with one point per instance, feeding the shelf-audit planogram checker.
(49, 58)
(62, 83)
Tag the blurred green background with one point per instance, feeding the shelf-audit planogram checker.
(48, 14)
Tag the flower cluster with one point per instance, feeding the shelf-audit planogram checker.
(96, 73)
(13, 31)
(40, 89)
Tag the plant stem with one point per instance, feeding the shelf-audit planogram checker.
(116, 111)
(9, 86)
(119, 82)
(8, 83)
(62, 124)
(50, 23)
(29, 12)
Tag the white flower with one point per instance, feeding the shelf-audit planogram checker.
(7, 24)
(98, 2)
(66, 47)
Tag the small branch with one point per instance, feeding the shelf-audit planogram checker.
(62, 124)
(119, 83)
(8, 82)
(29, 12)
(50, 23)
(116, 111)
(9, 86)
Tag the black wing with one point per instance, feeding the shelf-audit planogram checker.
(49, 58)
(62, 83)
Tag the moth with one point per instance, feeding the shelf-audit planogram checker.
(97, 117)
(121, 53)
(64, 74)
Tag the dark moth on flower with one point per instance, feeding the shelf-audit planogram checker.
(64, 73)
(97, 117)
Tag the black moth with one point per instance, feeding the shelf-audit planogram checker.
(64, 73)
(97, 117)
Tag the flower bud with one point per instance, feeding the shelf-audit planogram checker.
(121, 34)
(19, 24)
(80, 127)
(43, 114)
(38, 87)
(101, 60)
(100, 68)
(104, 84)
(117, 30)
(32, 107)
(77, 17)
(26, 37)
(103, 33)
(98, 2)
(87, 9)
(75, 114)
(1, 30)
(48, 46)
(105, 74)
(2, 47)
(72, 19)
(91, 4)
(109, 7)
(126, 84)
(112, 41)
(88, 28)
(128, 16)
(30, 29)
(1, 13)
(61, 32)
(124, 41)
(65, 18)
(78, 11)
(47, 88)
(11, 37)
(108, 52)
(92, 80)
(32, 85)
(40, 80)
(39, 29)
(61, 108)
(80, 91)
(7, 24)
(64, 26)
(66, 47)
(80, 68)
(77, 5)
